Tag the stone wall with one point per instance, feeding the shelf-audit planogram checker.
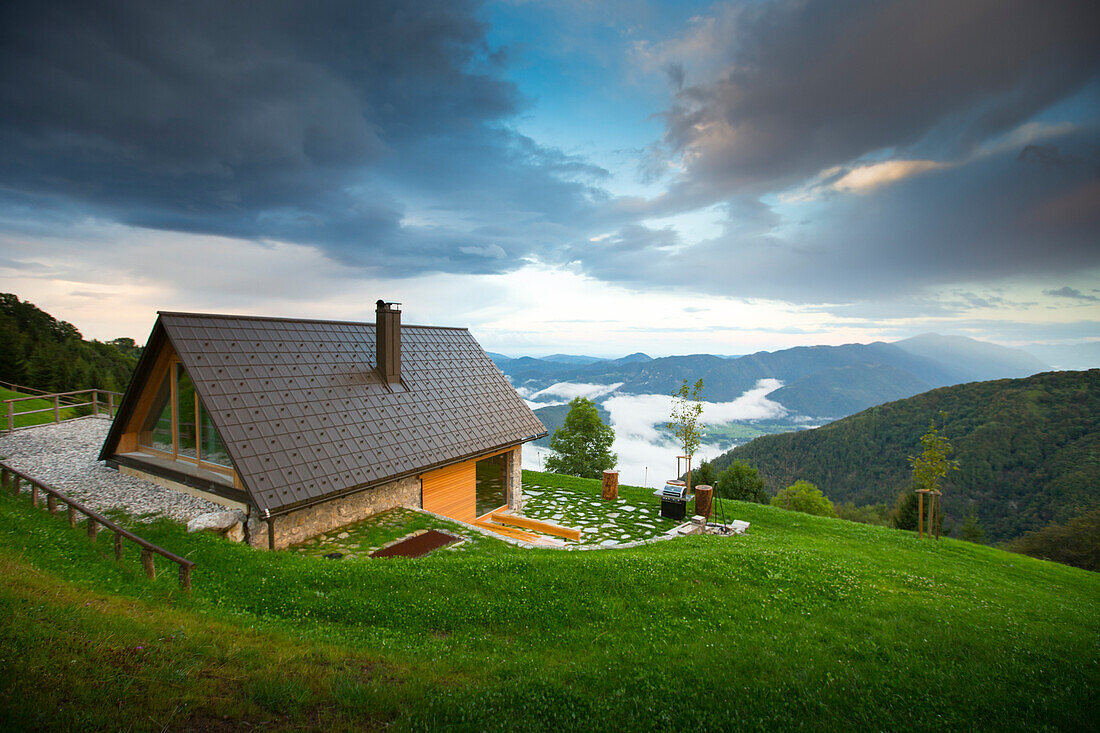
(513, 468)
(300, 525)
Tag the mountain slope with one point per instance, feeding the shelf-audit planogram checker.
(821, 381)
(845, 390)
(1028, 449)
(572, 359)
(971, 360)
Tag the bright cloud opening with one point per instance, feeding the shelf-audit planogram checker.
(866, 178)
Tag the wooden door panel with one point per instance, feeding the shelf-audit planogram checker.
(450, 491)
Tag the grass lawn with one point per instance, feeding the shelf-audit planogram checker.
(38, 418)
(804, 622)
(357, 541)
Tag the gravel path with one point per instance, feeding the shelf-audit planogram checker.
(64, 456)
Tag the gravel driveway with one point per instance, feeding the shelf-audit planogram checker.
(64, 456)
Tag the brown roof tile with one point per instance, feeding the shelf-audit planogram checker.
(275, 387)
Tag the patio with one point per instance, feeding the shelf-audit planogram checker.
(634, 517)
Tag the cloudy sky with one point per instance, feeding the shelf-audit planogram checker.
(587, 177)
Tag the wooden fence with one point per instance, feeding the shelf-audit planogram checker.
(11, 479)
(99, 400)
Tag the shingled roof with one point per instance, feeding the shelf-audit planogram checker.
(305, 416)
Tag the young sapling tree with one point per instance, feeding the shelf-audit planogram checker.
(932, 464)
(686, 420)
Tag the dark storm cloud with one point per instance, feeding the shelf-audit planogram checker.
(780, 97)
(999, 216)
(798, 87)
(382, 132)
(273, 120)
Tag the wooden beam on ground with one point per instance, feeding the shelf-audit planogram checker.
(517, 534)
(545, 527)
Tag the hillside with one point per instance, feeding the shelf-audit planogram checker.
(971, 360)
(37, 350)
(803, 623)
(840, 390)
(1028, 451)
(820, 381)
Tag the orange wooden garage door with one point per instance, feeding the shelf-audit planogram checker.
(450, 491)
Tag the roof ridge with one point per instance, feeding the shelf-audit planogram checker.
(237, 316)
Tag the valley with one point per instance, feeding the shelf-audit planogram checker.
(748, 396)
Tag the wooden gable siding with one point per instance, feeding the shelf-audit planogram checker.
(450, 491)
(131, 432)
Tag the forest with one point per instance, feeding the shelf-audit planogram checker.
(39, 351)
(1028, 452)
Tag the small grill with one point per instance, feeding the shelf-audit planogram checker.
(674, 499)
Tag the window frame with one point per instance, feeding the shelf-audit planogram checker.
(172, 374)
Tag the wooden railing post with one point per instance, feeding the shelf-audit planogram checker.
(11, 416)
(147, 563)
(95, 403)
(10, 478)
(57, 408)
(111, 405)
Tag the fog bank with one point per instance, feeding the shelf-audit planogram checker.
(647, 456)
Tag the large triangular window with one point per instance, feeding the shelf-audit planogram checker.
(179, 426)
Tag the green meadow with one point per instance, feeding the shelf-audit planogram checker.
(802, 623)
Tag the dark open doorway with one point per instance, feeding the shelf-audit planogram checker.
(490, 484)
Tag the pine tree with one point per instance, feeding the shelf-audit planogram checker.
(971, 530)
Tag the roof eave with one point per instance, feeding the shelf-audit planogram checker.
(288, 508)
(133, 390)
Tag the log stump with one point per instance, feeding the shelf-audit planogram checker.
(703, 503)
(610, 485)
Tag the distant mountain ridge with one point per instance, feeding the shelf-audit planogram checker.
(819, 381)
(1028, 451)
(972, 360)
(572, 359)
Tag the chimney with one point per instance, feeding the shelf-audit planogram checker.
(387, 336)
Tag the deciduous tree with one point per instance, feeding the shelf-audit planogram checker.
(802, 496)
(582, 445)
(934, 460)
(686, 419)
(742, 482)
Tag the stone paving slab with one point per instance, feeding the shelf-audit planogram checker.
(602, 523)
